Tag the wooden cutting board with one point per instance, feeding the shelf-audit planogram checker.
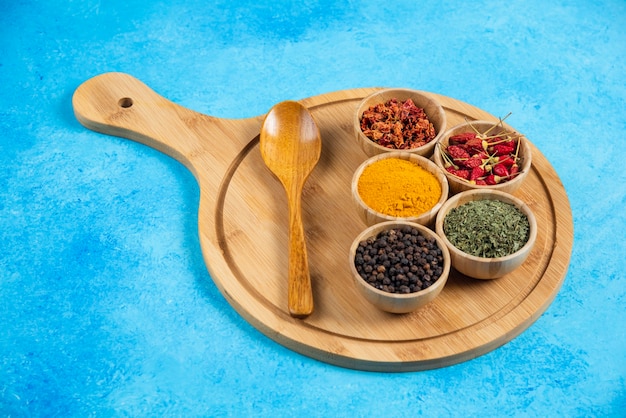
(242, 222)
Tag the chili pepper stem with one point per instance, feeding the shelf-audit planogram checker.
(478, 134)
(500, 177)
(517, 148)
(506, 139)
(446, 157)
(459, 177)
(488, 160)
(500, 124)
(505, 118)
(484, 135)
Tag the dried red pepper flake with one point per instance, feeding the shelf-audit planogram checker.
(397, 124)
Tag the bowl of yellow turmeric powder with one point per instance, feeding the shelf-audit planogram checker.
(399, 186)
(399, 120)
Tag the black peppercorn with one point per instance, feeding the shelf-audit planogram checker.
(399, 260)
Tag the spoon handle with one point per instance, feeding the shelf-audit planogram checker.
(300, 294)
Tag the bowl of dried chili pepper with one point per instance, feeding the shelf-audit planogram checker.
(399, 266)
(483, 155)
(398, 186)
(488, 233)
(399, 120)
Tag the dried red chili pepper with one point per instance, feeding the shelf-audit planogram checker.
(456, 152)
(503, 149)
(461, 173)
(462, 138)
(506, 160)
(475, 145)
(476, 173)
(473, 162)
(500, 170)
(491, 180)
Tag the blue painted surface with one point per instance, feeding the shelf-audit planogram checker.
(106, 308)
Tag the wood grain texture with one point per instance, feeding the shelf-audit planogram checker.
(243, 231)
(290, 145)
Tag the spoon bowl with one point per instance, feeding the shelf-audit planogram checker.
(291, 145)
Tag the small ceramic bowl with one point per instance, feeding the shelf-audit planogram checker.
(434, 111)
(457, 184)
(482, 267)
(399, 302)
(371, 216)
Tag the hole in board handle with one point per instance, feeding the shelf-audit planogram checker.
(125, 102)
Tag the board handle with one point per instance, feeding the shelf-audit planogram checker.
(119, 104)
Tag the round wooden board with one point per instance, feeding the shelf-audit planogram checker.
(243, 233)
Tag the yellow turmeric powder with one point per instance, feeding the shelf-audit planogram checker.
(399, 188)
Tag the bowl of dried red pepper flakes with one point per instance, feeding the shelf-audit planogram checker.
(399, 120)
(483, 155)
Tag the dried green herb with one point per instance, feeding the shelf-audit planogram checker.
(487, 228)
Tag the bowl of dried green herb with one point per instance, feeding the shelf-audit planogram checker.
(399, 266)
(399, 120)
(483, 155)
(487, 232)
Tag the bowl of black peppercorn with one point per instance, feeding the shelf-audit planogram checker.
(399, 266)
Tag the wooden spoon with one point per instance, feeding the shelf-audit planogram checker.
(290, 145)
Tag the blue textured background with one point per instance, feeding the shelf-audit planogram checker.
(106, 307)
